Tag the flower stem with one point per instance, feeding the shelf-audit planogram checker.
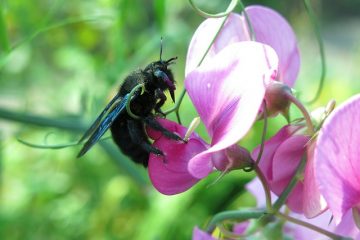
(75, 125)
(300, 106)
(230, 8)
(263, 135)
(248, 22)
(316, 27)
(131, 94)
(265, 187)
(310, 226)
(240, 215)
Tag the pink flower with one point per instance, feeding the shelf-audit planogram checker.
(337, 159)
(228, 88)
(281, 157)
(227, 92)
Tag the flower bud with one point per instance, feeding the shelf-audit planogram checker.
(276, 99)
(233, 157)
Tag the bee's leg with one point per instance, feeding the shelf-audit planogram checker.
(159, 94)
(138, 136)
(151, 122)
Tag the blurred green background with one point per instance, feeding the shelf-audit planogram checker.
(61, 62)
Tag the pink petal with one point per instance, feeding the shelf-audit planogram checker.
(272, 29)
(169, 125)
(288, 156)
(270, 148)
(240, 228)
(337, 158)
(169, 173)
(269, 27)
(285, 162)
(281, 156)
(314, 202)
(227, 93)
(347, 227)
(232, 31)
(198, 234)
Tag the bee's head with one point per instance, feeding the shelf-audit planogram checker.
(163, 76)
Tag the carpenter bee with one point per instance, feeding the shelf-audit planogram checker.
(133, 108)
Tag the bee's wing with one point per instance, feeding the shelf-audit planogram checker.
(98, 128)
(98, 119)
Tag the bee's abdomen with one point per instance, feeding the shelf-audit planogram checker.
(121, 136)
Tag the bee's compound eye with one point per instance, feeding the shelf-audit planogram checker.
(165, 78)
(169, 83)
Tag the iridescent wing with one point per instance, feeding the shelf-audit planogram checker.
(102, 124)
(98, 119)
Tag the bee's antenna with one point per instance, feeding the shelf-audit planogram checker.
(161, 47)
(171, 60)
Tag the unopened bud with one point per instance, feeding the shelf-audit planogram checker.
(276, 97)
(233, 157)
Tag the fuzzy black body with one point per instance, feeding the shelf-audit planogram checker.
(128, 132)
(125, 128)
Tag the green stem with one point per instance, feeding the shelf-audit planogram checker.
(240, 215)
(284, 195)
(131, 94)
(310, 226)
(265, 187)
(177, 106)
(71, 124)
(230, 8)
(75, 125)
(316, 28)
(248, 22)
(307, 117)
(262, 145)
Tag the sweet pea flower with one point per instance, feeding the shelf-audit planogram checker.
(281, 156)
(214, 99)
(227, 93)
(337, 160)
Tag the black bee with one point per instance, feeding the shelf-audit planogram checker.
(128, 131)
